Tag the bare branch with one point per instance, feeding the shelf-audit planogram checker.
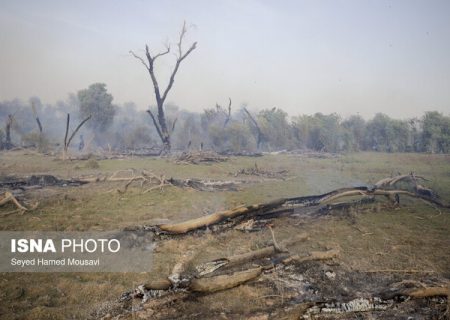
(258, 129)
(162, 53)
(140, 59)
(155, 123)
(67, 131)
(181, 57)
(173, 124)
(180, 41)
(228, 116)
(36, 116)
(77, 128)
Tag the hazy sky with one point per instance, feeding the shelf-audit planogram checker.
(301, 56)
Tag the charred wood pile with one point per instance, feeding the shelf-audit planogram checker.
(200, 157)
(12, 190)
(264, 173)
(275, 261)
(148, 181)
(36, 181)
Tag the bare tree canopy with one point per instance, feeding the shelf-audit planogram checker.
(160, 121)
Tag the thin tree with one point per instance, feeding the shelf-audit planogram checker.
(259, 134)
(226, 112)
(9, 122)
(67, 139)
(160, 121)
(33, 107)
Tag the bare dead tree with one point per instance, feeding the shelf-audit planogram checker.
(9, 122)
(36, 117)
(68, 141)
(226, 112)
(174, 124)
(160, 121)
(259, 135)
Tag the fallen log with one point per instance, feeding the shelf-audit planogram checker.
(180, 277)
(256, 171)
(362, 304)
(239, 259)
(8, 197)
(415, 290)
(428, 292)
(223, 282)
(313, 256)
(43, 180)
(205, 185)
(389, 182)
(214, 218)
(184, 227)
(148, 178)
(162, 284)
(288, 206)
(207, 157)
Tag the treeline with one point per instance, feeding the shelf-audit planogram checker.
(223, 129)
(332, 133)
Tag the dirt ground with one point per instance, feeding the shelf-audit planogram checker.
(378, 243)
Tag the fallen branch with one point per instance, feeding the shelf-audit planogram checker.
(200, 157)
(313, 256)
(415, 289)
(256, 171)
(223, 282)
(428, 292)
(398, 271)
(8, 197)
(239, 259)
(389, 182)
(184, 227)
(289, 205)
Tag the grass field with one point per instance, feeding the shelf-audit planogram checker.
(414, 236)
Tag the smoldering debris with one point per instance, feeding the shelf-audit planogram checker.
(315, 285)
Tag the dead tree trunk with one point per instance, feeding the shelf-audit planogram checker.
(225, 112)
(8, 144)
(37, 118)
(68, 141)
(259, 134)
(160, 121)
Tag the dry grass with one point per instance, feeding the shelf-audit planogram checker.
(413, 237)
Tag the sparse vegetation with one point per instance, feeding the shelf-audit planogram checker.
(369, 238)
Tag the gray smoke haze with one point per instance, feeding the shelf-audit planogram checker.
(302, 56)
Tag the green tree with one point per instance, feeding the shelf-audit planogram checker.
(275, 127)
(356, 127)
(319, 132)
(436, 132)
(96, 101)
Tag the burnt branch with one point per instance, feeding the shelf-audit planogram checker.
(155, 123)
(160, 120)
(259, 134)
(175, 70)
(162, 53)
(68, 141)
(9, 123)
(67, 131)
(140, 59)
(225, 112)
(76, 129)
(36, 117)
(174, 124)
